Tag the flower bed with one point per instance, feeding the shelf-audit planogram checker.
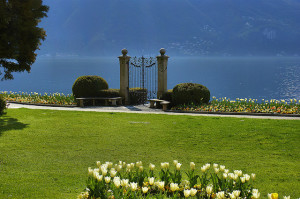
(37, 98)
(132, 180)
(245, 106)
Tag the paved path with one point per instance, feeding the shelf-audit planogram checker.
(143, 109)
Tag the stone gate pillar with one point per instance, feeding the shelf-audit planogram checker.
(162, 63)
(124, 76)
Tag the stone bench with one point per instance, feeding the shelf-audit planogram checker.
(155, 103)
(113, 100)
(165, 105)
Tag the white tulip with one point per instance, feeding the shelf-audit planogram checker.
(138, 164)
(220, 195)
(232, 196)
(178, 165)
(175, 162)
(243, 179)
(151, 166)
(222, 168)
(203, 169)
(133, 186)
(193, 192)
(113, 173)
(192, 165)
(269, 196)
(117, 182)
(107, 179)
(145, 189)
(256, 195)
(238, 172)
(99, 178)
(253, 176)
(124, 182)
(131, 165)
(216, 170)
(187, 193)
(161, 185)
(90, 171)
(104, 172)
(119, 167)
(151, 181)
(226, 171)
(225, 175)
(231, 176)
(174, 187)
(286, 197)
(215, 165)
(98, 164)
(235, 177)
(207, 165)
(209, 189)
(247, 177)
(236, 193)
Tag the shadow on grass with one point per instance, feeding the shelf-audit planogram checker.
(8, 123)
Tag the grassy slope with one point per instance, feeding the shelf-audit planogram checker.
(45, 153)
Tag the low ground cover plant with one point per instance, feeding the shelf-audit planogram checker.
(38, 98)
(245, 105)
(133, 180)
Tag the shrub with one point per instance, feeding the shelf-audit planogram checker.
(167, 96)
(137, 95)
(88, 86)
(2, 105)
(109, 93)
(187, 93)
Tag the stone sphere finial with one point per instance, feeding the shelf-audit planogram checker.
(124, 51)
(162, 51)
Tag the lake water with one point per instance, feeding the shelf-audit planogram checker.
(257, 78)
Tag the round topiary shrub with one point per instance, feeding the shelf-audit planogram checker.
(88, 86)
(187, 93)
(2, 105)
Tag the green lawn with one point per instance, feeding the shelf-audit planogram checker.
(46, 153)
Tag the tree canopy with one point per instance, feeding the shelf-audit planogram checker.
(20, 35)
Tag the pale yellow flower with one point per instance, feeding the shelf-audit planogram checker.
(192, 165)
(145, 189)
(187, 193)
(193, 192)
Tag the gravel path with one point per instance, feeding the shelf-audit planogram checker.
(143, 109)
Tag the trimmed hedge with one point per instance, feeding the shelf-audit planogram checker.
(2, 105)
(109, 93)
(137, 95)
(88, 86)
(188, 93)
(167, 96)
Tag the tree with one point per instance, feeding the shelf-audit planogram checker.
(20, 35)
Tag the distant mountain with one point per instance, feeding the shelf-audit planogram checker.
(183, 27)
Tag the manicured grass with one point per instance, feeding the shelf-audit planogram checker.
(46, 153)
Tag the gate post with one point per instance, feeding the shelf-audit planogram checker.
(162, 63)
(124, 76)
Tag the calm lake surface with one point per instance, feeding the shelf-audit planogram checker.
(257, 78)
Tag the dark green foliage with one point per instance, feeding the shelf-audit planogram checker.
(167, 96)
(88, 86)
(109, 93)
(187, 93)
(20, 35)
(2, 105)
(137, 95)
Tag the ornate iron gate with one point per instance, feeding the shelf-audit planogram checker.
(143, 76)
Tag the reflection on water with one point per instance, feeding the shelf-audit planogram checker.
(256, 78)
(289, 81)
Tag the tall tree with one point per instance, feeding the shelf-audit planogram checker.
(20, 35)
